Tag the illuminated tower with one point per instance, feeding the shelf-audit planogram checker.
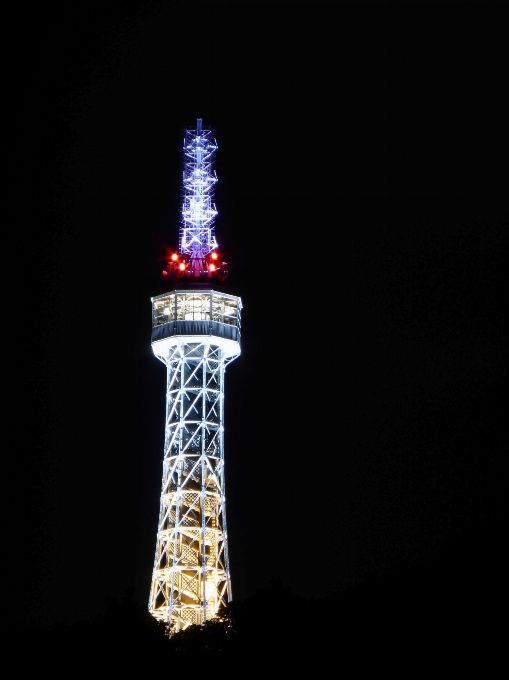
(195, 333)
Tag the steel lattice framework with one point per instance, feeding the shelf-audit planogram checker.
(195, 333)
(197, 238)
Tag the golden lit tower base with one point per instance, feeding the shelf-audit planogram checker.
(195, 333)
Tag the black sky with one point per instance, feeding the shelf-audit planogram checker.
(364, 217)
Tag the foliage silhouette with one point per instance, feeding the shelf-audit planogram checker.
(455, 593)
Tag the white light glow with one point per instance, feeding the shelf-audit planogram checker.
(197, 237)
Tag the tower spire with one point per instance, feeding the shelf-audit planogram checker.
(197, 257)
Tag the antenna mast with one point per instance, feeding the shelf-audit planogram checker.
(197, 258)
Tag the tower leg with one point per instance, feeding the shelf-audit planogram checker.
(191, 577)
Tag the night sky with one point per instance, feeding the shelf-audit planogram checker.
(364, 219)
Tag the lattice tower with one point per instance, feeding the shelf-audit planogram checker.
(195, 333)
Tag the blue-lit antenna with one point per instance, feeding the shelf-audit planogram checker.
(197, 256)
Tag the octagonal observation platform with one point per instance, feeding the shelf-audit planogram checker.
(196, 315)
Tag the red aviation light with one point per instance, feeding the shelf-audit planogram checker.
(174, 257)
(182, 266)
(214, 256)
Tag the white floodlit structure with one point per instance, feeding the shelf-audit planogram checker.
(195, 333)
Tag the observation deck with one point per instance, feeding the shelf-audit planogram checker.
(191, 315)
